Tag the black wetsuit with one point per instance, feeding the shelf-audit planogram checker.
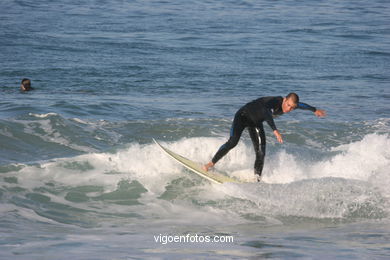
(252, 116)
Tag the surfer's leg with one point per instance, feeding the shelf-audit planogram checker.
(258, 139)
(235, 133)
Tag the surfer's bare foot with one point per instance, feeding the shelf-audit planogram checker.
(206, 167)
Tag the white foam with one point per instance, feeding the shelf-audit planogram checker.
(149, 165)
(290, 185)
(43, 115)
(358, 160)
(145, 164)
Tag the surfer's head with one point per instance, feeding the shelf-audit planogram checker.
(25, 85)
(290, 102)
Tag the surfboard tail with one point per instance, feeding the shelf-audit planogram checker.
(197, 167)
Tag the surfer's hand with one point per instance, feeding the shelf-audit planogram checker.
(206, 167)
(320, 113)
(278, 136)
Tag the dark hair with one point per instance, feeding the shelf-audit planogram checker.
(294, 97)
(26, 81)
(26, 84)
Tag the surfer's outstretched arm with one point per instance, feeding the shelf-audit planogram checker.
(317, 112)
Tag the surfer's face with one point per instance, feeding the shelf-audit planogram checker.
(288, 105)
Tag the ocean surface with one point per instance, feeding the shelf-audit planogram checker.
(80, 177)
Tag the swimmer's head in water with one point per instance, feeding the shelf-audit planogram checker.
(25, 85)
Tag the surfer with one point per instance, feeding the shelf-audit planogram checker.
(251, 116)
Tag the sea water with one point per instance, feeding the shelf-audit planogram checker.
(80, 177)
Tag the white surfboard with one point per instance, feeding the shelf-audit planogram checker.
(197, 168)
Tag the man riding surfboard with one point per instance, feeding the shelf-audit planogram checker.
(251, 116)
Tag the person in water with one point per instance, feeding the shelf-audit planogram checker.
(251, 116)
(26, 85)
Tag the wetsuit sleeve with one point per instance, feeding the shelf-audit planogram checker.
(270, 120)
(306, 107)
